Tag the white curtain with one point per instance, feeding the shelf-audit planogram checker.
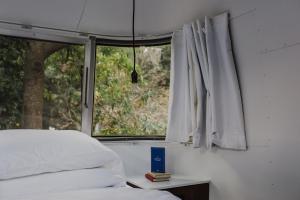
(205, 100)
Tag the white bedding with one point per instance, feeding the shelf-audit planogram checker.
(29, 152)
(63, 165)
(121, 193)
(59, 182)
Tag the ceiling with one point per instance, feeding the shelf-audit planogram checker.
(105, 17)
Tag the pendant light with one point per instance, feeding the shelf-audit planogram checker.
(134, 74)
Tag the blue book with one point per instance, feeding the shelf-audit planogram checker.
(158, 159)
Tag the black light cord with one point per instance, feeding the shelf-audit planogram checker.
(134, 74)
(133, 32)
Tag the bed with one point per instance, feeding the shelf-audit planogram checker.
(63, 165)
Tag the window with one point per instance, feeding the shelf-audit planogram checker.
(40, 84)
(123, 109)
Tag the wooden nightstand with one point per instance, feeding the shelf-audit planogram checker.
(182, 187)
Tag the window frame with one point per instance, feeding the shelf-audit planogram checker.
(128, 43)
(55, 39)
(90, 44)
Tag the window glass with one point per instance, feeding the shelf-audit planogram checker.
(40, 84)
(125, 109)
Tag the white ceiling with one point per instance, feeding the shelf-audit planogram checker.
(109, 17)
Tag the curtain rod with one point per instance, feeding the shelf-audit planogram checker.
(83, 34)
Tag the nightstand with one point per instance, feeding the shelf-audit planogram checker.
(182, 187)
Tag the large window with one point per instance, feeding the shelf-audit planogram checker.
(125, 109)
(41, 87)
(40, 84)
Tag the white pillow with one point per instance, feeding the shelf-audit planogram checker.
(58, 182)
(28, 152)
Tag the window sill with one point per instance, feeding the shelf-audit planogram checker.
(130, 138)
(133, 140)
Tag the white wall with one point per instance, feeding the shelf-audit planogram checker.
(136, 156)
(266, 36)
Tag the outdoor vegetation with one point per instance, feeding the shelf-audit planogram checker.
(41, 86)
(122, 108)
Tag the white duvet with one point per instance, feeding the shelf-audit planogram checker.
(121, 193)
(58, 182)
(63, 165)
(86, 184)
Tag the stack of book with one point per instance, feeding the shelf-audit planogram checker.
(158, 177)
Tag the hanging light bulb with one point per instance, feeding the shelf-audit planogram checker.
(134, 74)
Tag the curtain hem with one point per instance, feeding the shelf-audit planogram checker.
(231, 141)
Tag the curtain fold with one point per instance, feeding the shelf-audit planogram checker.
(179, 114)
(205, 100)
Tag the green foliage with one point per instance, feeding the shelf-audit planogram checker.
(120, 107)
(12, 56)
(62, 89)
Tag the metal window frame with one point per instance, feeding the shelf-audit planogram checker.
(89, 85)
(88, 80)
(137, 43)
(128, 43)
(128, 138)
(31, 35)
(87, 91)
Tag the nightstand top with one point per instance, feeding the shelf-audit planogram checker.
(175, 181)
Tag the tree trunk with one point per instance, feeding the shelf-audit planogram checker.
(33, 101)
